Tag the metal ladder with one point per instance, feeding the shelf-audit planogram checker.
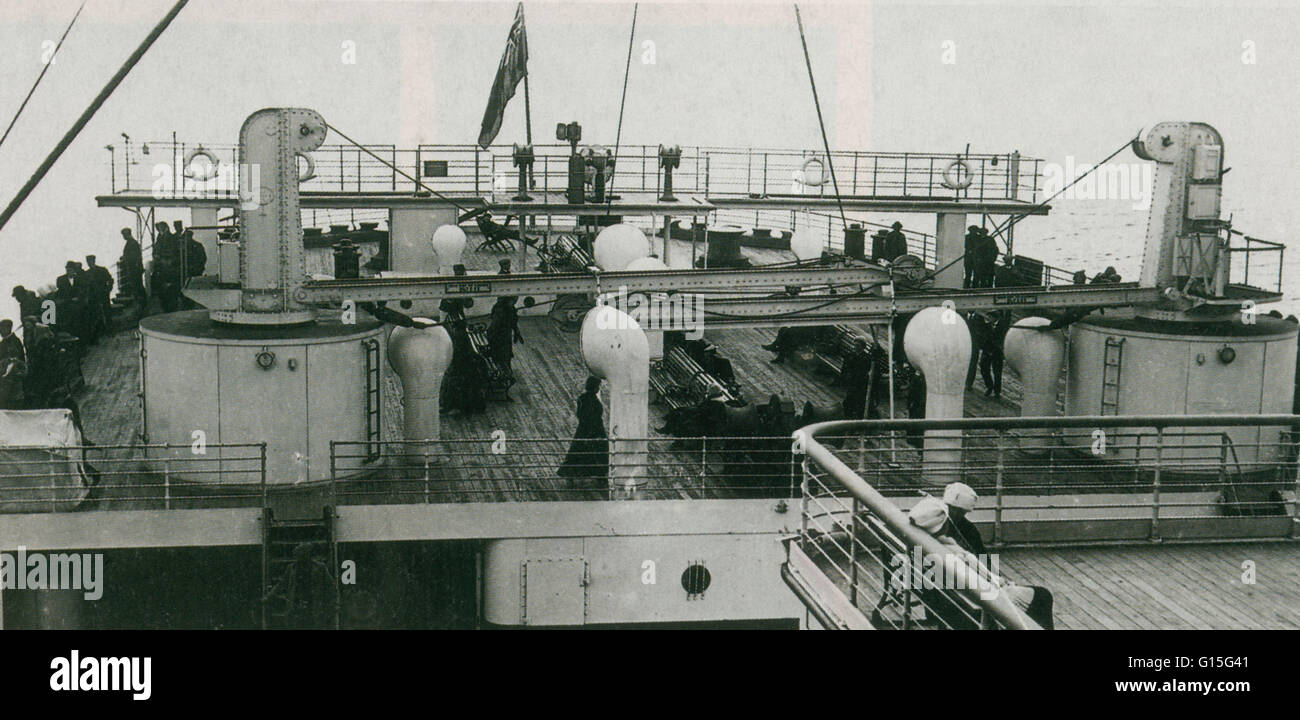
(1112, 359)
(300, 581)
(373, 399)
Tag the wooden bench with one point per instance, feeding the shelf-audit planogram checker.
(499, 378)
(832, 350)
(566, 254)
(679, 381)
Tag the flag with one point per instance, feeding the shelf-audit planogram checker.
(513, 68)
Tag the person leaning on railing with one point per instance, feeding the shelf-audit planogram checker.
(946, 521)
(959, 499)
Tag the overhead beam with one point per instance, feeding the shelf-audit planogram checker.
(437, 287)
(330, 200)
(723, 311)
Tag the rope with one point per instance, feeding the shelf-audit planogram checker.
(820, 122)
(42, 75)
(618, 136)
(1012, 219)
(401, 172)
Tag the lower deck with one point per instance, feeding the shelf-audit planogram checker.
(1230, 586)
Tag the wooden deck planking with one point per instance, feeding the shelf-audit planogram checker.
(1166, 586)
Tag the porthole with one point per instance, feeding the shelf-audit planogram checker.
(696, 579)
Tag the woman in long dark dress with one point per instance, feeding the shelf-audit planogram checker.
(588, 455)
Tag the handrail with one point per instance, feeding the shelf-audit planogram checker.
(995, 604)
(1073, 421)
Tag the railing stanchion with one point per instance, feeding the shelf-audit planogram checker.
(262, 470)
(1295, 504)
(334, 474)
(1155, 485)
(167, 479)
(803, 497)
(999, 440)
(853, 554)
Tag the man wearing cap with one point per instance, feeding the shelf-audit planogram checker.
(856, 373)
(961, 499)
(131, 267)
(985, 260)
(895, 243)
(971, 257)
(99, 289)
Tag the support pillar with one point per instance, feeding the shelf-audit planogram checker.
(409, 231)
(949, 245)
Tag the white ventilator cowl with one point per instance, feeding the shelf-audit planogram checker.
(805, 244)
(646, 264)
(449, 243)
(1036, 356)
(937, 342)
(420, 356)
(615, 348)
(618, 245)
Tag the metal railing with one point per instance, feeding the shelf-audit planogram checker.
(131, 477)
(1264, 258)
(1041, 481)
(1153, 478)
(529, 469)
(712, 171)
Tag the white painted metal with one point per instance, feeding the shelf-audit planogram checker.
(1180, 374)
(313, 393)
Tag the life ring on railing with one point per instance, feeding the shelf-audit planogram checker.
(803, 172)
(950, 175)
(214, 164)
(311, 168)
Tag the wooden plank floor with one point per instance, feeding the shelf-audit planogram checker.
(1170, 587)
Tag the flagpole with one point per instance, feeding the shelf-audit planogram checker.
(528, 107)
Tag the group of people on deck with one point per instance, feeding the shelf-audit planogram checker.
(37, 370)
(466, 383)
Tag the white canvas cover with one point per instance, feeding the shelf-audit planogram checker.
(42, 466)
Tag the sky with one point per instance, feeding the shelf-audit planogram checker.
(1050, 79)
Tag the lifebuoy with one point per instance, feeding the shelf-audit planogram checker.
(311, 168)
(950, 175)
(803, 171)
(214, 164)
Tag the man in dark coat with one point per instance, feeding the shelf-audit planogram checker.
(98, 282)
(70, 308)
(588, 455)
(29, 303)
(986, 260)
(858, 375)
(895, 243)
(916, 407)
(131, 268)
(1006, 275)
(503, 332)
(991, 354)
(464, 387)
(979, 328)
(42, 362)
(971, 257)
(168, 269)
(13, 368)
(196, 258)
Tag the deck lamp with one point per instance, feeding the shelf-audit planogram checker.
(669, 158)
(523, 159)
(572, 133)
